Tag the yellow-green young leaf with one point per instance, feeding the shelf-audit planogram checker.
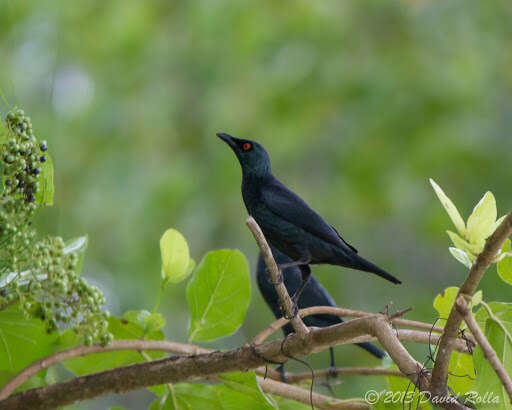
(443, 302)
(505, 265)
(175, 256)
(218, 295)
(464, 245)
(477, 299)
(452, 211)
(461, 256)
(499, 221)
(482, 220)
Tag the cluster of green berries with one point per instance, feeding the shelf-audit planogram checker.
(41, 276)
(23, 157)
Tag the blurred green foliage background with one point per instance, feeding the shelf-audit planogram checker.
(357, 102)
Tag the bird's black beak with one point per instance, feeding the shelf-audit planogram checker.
(228, 139)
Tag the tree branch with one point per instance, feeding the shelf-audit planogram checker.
(275, 275)
(331, 310)
(304, 396)
(439, 388)
(489, 353)
(341, 371)
(195, 367)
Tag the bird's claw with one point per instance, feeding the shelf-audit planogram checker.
(280, 369)
(333, 372)
(295, 312)
(279, 281)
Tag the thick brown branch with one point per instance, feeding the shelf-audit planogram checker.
(188, 368)
(275, 274)
(489, 353)
(493, 244)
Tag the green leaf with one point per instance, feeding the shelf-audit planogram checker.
(482, 220)
(78, 246)
(190, 397)
(461, 376)
(487, 382)
(505, 265)
(247, 384)
(218, 295)
(1, 177)
(45, 194)
(149, 322)
(401, 394)
(500, 310)
(37, 380)
(175, 256)
(464, 245)
(461, 256)
(452, 211)
(133, 325)
(22, 340)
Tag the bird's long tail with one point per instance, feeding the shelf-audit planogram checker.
(356, 262)
(374, 350)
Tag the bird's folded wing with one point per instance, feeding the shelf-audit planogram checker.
(289, 206)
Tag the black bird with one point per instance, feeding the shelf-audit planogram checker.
(287, 222)
(314, 294)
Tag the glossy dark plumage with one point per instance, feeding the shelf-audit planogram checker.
(314, 294)
(287, 222)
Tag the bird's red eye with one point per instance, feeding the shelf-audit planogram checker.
(246, 146)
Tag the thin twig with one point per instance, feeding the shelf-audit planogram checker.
(132, 344)
(331, 310)
(345, 371)
(319, 400)
(493, 244)
(489, 352)
(275, 274)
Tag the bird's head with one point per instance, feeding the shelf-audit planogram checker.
(253, 157)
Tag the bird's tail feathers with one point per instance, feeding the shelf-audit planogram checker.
(374, 350)
(356, 262)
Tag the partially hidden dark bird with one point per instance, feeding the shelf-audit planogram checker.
(314, 294)
(287, 222)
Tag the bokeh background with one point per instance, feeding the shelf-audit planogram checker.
(358, 103)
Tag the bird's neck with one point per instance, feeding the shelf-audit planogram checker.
(256, 175)
(251, 188)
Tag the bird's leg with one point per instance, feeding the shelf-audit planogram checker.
(292, 264)
(279, 281)
(332, 367)
(306, 273)
(280, 369)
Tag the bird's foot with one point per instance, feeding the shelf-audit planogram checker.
(279, 281)
(295, 312)
(333, 372)
(280, 369)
